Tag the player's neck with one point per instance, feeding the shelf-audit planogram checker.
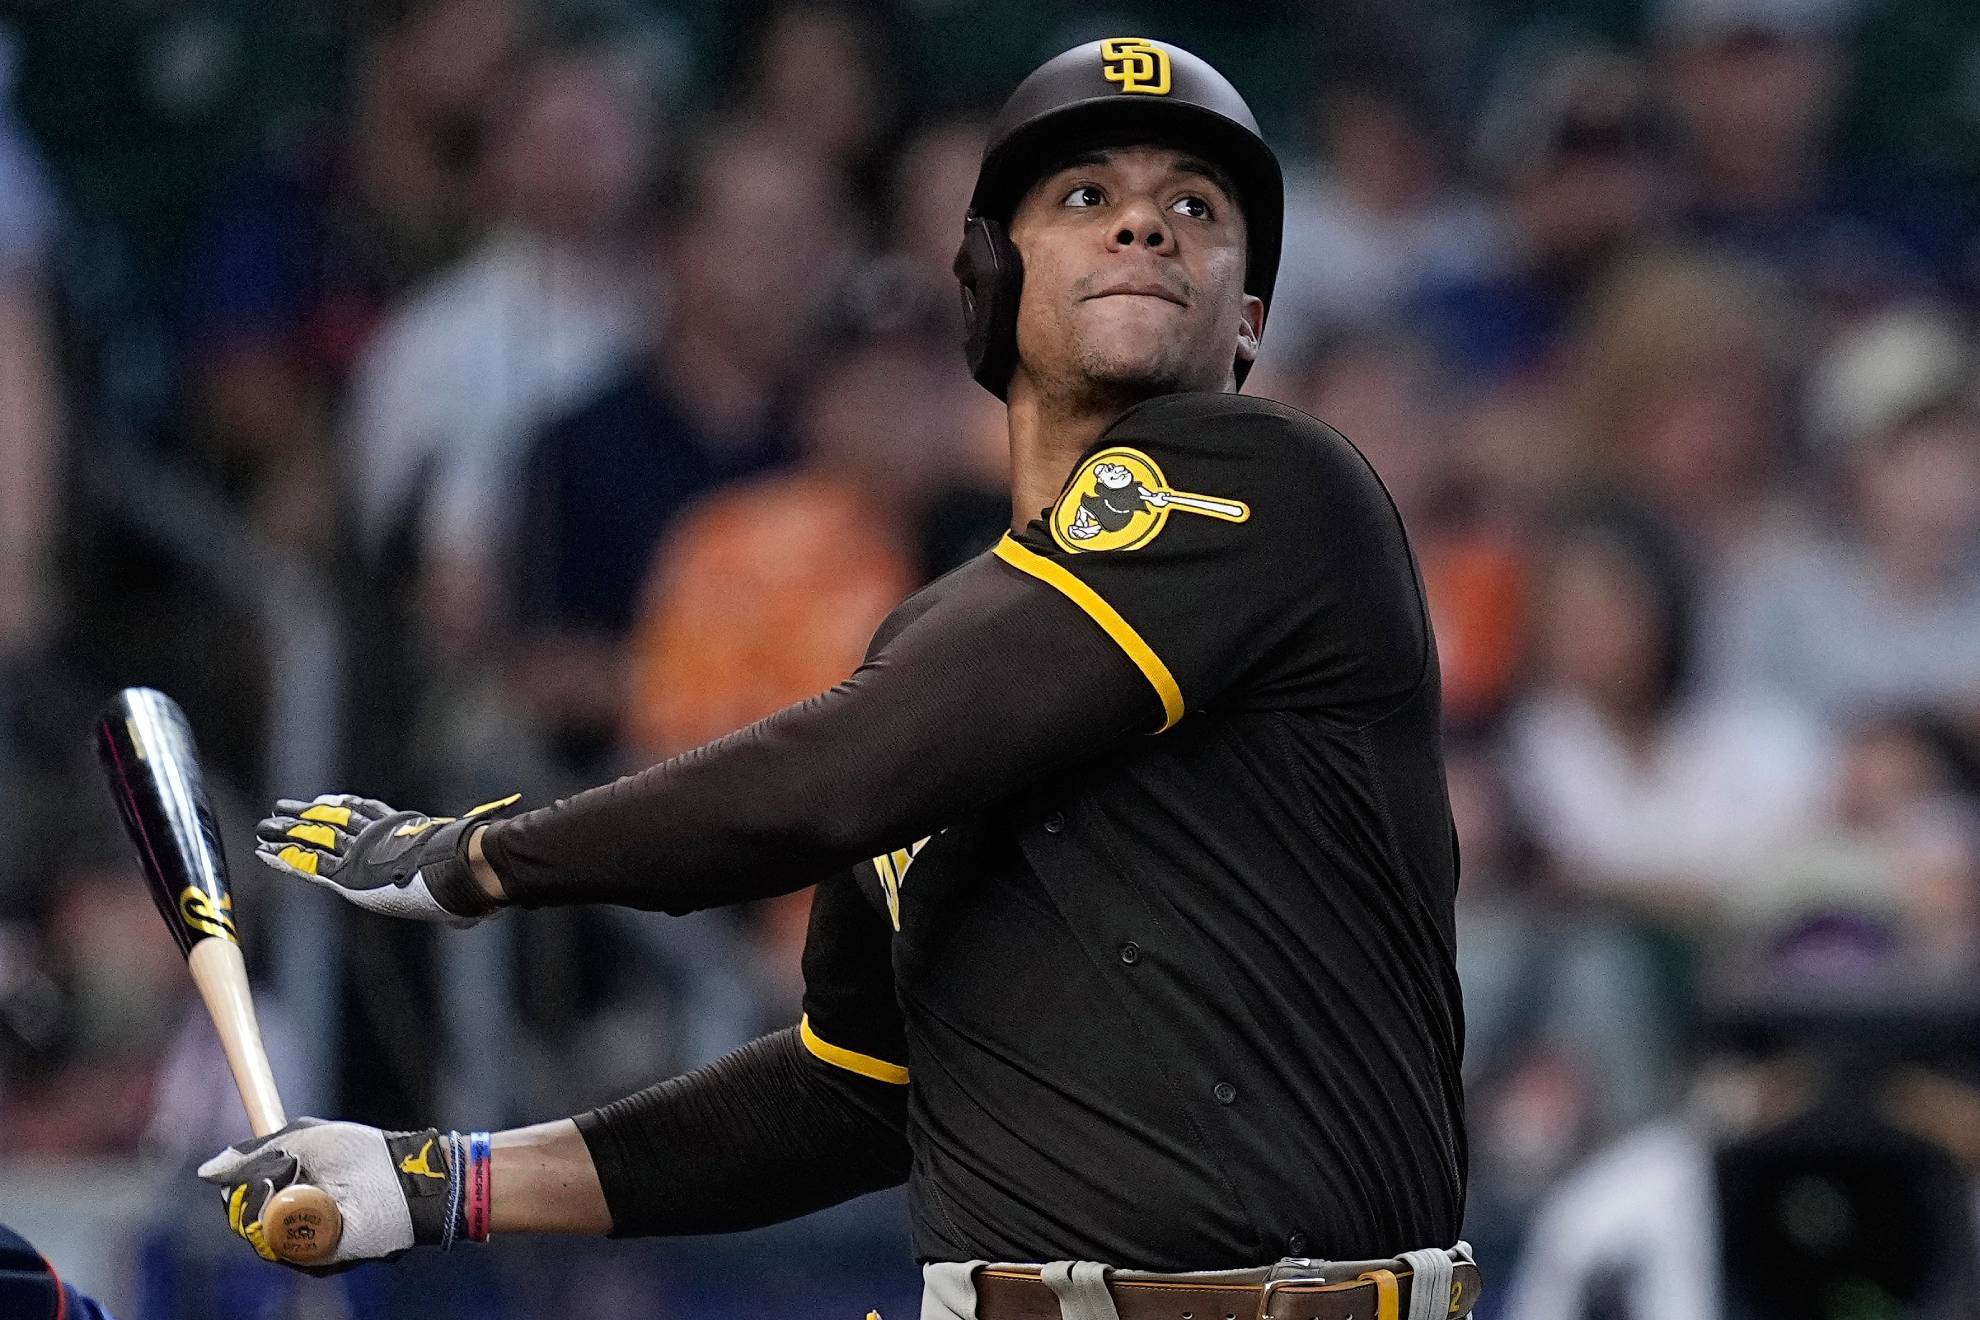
(1049, 434)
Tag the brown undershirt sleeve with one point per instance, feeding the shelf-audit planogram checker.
(765, 1134)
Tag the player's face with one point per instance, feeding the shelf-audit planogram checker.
(1133, 275)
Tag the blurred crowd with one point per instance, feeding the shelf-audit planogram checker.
(573, 383)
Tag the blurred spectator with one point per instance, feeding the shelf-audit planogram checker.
(1823, 1164)
(1569, 1035)
(1880, 372)
(964, 497)
(912, 283)
(1384, 390)
(1901, 848)
(753, 259)
(1681, 383)
(299, 260)
(32, 453)
(117, 979)
(553, 300)
(959, 467)
(1516, 454)
(1644, 785)
(1567, 136)
(769, 592)
(31, 448)
(141, 109)
(1381, 215)
(818, 75)
(1882, 609)
(1756, 86)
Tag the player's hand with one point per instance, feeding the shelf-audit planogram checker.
(400, 863)
(395, 1190)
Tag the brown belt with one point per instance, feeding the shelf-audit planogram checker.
(1005, 1292)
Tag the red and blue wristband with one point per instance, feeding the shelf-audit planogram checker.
(479, 1212)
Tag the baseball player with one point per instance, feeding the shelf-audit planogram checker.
(1132, 950)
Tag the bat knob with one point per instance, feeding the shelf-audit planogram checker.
(302, 1224)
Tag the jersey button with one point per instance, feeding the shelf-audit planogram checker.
(1054, 823)
(1225, 1093)
(1130, 953)
(1296, 1245)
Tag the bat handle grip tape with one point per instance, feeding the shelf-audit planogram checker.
(302, 1224)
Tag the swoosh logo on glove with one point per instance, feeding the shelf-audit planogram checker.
(412, 827)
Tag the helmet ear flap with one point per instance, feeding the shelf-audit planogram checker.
(992, 279)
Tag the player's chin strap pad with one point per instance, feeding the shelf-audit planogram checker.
(992, 280)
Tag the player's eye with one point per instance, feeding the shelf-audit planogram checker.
(1192, 206)
(1085, 194)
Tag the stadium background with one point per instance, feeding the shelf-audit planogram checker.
(449, 397)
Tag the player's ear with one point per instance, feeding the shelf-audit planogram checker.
(1251, 327)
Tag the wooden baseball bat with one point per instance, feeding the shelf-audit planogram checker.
(148, 756)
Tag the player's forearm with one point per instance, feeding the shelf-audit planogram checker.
(766, 1134)
(966, 705)
(545, 1182)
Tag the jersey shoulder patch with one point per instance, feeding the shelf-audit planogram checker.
(1194, 456)
(1120, 499)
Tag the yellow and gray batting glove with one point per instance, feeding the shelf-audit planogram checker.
(394, 1190)
(399, 863)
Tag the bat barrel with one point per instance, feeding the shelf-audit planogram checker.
(147, 751)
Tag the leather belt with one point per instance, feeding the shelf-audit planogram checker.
(1010, 1292)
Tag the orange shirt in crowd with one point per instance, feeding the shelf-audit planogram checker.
(766, 594)
(1476, 585)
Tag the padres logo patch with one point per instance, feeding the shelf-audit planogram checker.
(1137, 64)
(1119, 500)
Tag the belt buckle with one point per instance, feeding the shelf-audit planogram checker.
(1303, 1269)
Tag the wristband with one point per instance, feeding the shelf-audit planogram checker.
(480, 1186)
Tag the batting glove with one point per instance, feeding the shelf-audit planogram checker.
(400, 863)
(395, 1190)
